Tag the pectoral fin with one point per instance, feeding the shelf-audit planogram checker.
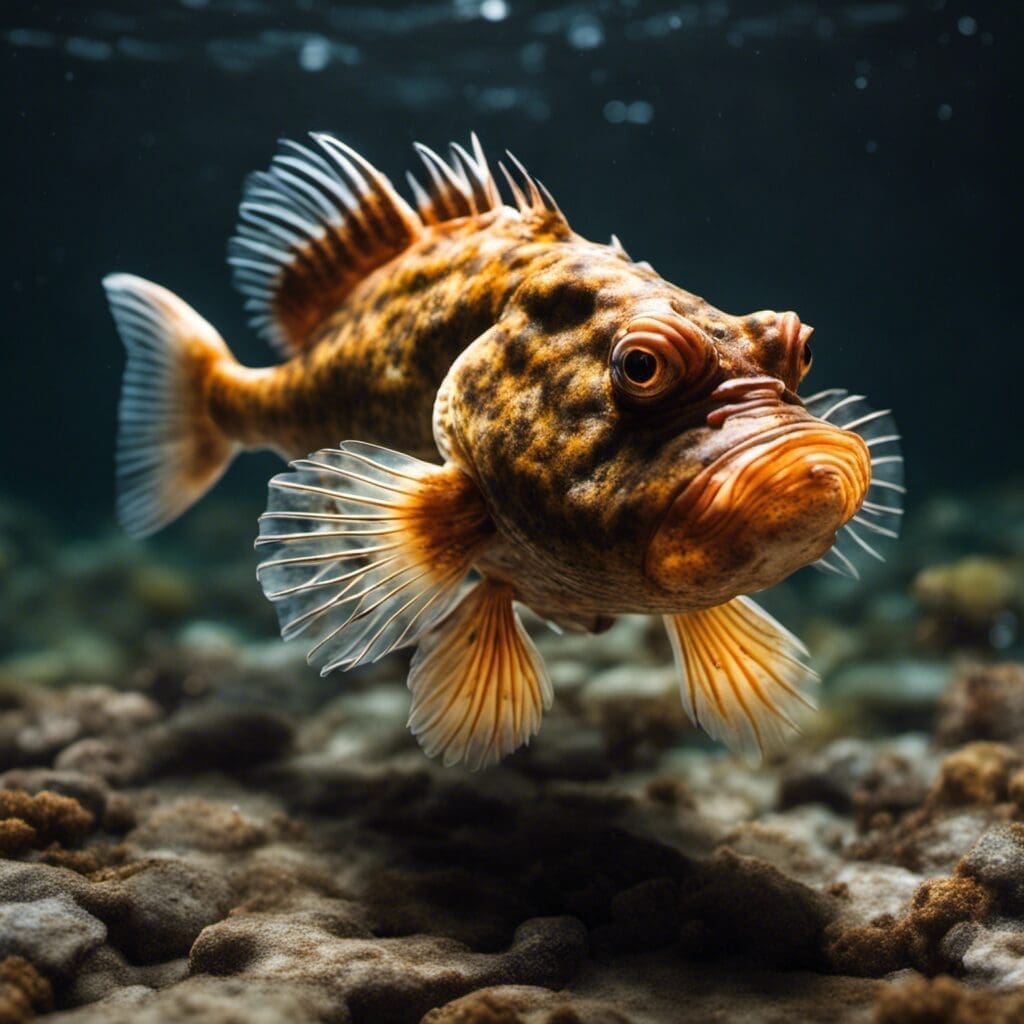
(744, 676)
(479, 687)
(368, 548)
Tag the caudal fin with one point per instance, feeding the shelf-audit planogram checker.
(169, 449)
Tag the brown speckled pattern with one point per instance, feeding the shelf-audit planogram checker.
(576, 483)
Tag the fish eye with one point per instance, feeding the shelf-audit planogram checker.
(639, 366)
(657, 355)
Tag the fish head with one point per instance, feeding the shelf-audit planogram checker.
(646, 449)
(761, 486)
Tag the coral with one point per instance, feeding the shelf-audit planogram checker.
(978, 773)
(31, 821)
(916, 939)
(522, 1004)
(944, 1001)
(24, 992)
(203, 738)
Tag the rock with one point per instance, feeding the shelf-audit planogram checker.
(54, 933)
(203, 825)
(744, 905)
(162, 905)
(905, 688)
(45, 724)
(197, 739)
(105, 971)
(995, 957)
(638, 711)
(975, 588)
(830, 776)
(996, 860)
(644, 916)
(870, 894)
(983, 703)
(384, 980)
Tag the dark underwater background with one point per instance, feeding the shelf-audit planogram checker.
(856, 162)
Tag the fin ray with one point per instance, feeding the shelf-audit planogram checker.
(743, 677)
(367, 549)
(169, 450)
(883, 501)
(479, 686)
(310, 228)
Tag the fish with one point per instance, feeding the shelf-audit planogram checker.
(483, 411)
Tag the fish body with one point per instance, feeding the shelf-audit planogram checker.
(610, 443)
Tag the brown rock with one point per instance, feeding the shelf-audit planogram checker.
(745, 905)
(916, 939)
(983, 703)
(945, 1001)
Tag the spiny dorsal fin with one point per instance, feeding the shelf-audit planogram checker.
(465, 187)
(310, 228)
(462, 187)
(531, 196)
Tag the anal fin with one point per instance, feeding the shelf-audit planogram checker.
(744, 675)
(479, 687)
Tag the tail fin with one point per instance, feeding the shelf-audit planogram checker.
(169, 449)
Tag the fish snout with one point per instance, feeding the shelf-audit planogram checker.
(744, 394)
(760, 511)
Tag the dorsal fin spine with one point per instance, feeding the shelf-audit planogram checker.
(447, 190)
(517, 192)
(311, 226)
(471, 178)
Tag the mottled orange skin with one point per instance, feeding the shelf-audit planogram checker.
(371, 370)
(576, 484)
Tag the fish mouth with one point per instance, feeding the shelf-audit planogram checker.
(768, 504)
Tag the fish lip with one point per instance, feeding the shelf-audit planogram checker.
(753, 440)
(690, 490)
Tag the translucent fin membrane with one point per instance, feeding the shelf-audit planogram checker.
(169, 451)
(367, 550)
(877, 524)
(744, 676)
(479, 687)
